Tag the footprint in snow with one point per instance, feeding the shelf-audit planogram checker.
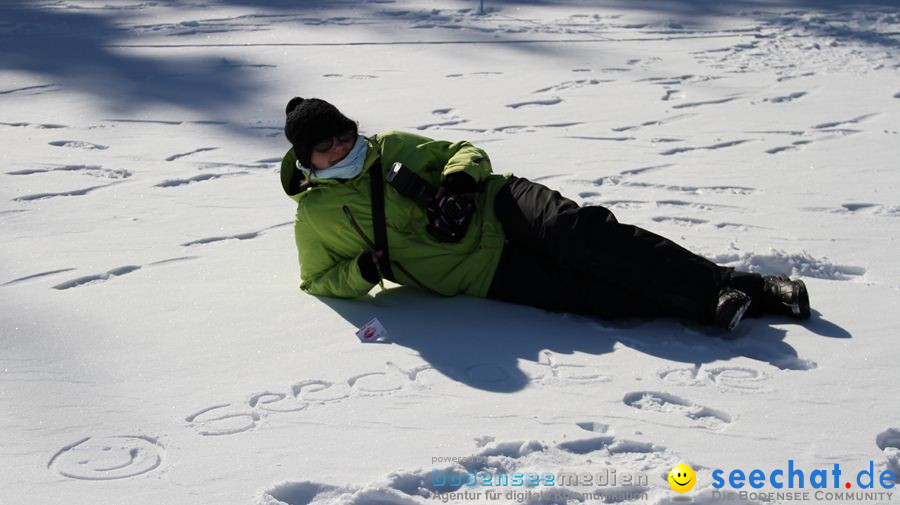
(672, 94)
(195, 151)
(448, 117)
(171, 183)
(679, 79)
(657, 122)
(36, 276)
(145, 121)
(74, 192)
(531, 103)
(680, 221)
(173, 260)
(624, 204)
(698, 206)
(41, 87)
(90, 170)
(111, 274)
(610, 445)
(42, 126)
(474, 74)
(889, 443)
(97, 278)
(9, 212)
(238, 236)
(794, 146)
(857, 120)
(360, 77)
(690, 190)
(78, 144)
(828, 134)
(786, 98)
(606, 139)
(795, 76)
(532, 128)
(496, 462)
(713, 147)
(567, 85)
(739, 227)
(450, 122)
(224, 62)
(857, 208)
(795, 264)
(705, 102)
(593, 426)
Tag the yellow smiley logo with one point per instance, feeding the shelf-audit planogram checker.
(682, 478)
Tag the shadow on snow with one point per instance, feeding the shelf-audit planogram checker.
(85, 48)
(478, 342)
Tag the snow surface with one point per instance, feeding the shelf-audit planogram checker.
(155, 348)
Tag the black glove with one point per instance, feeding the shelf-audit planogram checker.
(368, 268)
(459, 183)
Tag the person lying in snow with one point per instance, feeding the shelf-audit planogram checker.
(440, 220)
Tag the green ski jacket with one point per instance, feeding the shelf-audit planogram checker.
(328, 246)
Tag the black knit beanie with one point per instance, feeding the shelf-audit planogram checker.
(310, 121)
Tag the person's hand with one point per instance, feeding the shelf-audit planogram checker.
(458, 183)
(369, 267)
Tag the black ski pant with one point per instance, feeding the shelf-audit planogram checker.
(563, 257)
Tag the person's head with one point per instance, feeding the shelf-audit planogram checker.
(320, 135)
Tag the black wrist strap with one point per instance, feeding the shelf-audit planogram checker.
(379, 222)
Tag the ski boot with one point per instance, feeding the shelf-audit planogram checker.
(730, 307)
(786, 297)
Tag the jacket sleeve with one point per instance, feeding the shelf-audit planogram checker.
(448, 157)
(464, 157)
(323, 272)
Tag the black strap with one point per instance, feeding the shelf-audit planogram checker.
(379, 223)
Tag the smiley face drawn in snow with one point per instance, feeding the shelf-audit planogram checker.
(108, 458)
(682, 478)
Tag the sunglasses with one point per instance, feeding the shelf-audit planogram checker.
(326, 145)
